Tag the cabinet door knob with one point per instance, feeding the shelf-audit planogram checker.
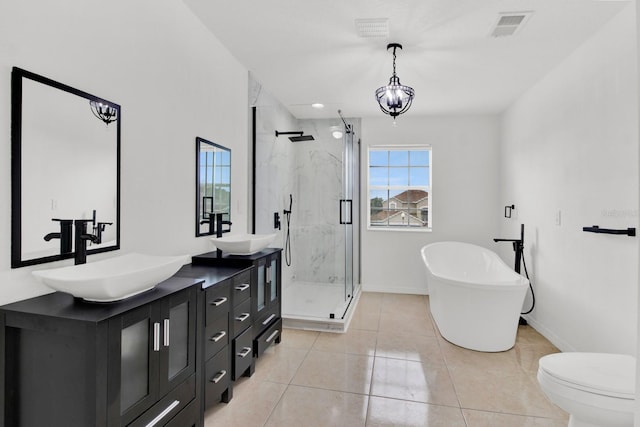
(243, 317)
(219, 301)
(242, 287)
(217, 337)
(245, 351)
(218, 377)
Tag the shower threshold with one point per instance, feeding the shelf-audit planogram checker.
(309, 306)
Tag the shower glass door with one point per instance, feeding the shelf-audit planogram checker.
(322, 177)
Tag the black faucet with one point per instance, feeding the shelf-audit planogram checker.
(81, 238)
(99, 229)
(219, 223)
(64, 235)
(518, 247)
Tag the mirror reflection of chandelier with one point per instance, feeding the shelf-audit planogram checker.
(104, 111)
(394, 98)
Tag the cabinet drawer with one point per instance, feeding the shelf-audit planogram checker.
(268, 337)
(216, 336)
(217, 301)
(241, 318)
(242, 353)
(241, 287)
(217, 377)
(169, 406)
(188, 417)
(266, 319)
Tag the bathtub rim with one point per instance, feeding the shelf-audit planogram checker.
(515, 283)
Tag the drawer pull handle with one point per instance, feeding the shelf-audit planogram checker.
(219, 301)
(217, 337)
(245, 351)
(218, 377)
(163, 414)
(242, 287)
(156, 336)
(273, 335)
(243, 317)
(269, 319)
(166, 332)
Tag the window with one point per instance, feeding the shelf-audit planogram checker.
(400, 187)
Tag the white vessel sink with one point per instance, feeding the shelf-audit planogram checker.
(243, 244)
(112, 279)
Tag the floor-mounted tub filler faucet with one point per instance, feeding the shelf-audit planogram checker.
(518, 247)
(81, 238)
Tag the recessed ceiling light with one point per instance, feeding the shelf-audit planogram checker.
(317, 105)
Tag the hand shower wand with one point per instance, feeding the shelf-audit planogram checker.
(287, 244)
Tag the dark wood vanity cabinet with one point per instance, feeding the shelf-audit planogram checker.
(266, 306)
(131, 363)
(216, 339)
(264, 302)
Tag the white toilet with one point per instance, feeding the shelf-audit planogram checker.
(596, 389)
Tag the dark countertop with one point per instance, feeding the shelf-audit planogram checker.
(206, 270)
(212, 259)
(210, 275)
(65, 306)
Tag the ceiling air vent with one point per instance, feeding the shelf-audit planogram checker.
(509, 23)
(368, 28)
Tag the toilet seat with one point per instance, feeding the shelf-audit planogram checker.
(603, 374)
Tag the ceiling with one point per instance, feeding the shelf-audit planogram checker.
(306, 51)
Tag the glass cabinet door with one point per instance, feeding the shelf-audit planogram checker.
(262, 284)
(134, 376)
(133, 362)
(177, 355)
(178, 341)
(273, 279)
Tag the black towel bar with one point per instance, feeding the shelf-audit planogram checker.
(597, 229)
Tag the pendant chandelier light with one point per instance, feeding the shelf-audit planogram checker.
(394, 98)
(105, 112)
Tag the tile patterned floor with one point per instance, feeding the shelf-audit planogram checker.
(392, 368)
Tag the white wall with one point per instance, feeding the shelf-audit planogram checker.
(174, 81)
(570, 144)
(466, 205)
(275, 163)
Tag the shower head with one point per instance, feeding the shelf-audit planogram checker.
(301, 136)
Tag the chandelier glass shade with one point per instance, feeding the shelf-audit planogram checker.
(104, 111)
(394, 98)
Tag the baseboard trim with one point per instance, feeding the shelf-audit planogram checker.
(395, 289)
(550, 335)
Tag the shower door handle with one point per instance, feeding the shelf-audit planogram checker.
(346, 210)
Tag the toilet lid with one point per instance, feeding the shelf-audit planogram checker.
(602, 373)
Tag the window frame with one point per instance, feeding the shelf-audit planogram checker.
(391, 188)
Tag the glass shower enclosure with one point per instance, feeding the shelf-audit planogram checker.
(321, 177)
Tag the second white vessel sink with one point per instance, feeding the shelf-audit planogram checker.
(112, 279)
(243, 244)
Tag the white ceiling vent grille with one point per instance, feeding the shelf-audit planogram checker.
(369, 28)
(510, 23)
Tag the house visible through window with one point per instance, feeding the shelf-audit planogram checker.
(400, 187)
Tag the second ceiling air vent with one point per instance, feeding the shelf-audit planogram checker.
(509, 23)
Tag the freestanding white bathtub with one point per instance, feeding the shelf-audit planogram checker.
(475, 297)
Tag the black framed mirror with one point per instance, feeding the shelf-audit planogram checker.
(65, 165)
(213, 185)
